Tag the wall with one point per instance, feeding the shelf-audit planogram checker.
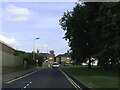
(57, 59)
(8, 58)
(0, 55)
(63, 59)
(51, 57)
(0, 66)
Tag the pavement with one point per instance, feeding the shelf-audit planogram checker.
(47, 78)
(10, 76)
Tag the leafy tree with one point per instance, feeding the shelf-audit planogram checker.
(109, 18)
(29, 57)
(52, 52)
(92, 30)
(77, 25)
(39, 58)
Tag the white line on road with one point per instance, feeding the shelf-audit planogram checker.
(21, 77)
(71, 81)
(26, 85)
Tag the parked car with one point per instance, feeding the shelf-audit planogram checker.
(55, 65)
(68, 64)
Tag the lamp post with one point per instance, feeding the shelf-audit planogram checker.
(34, 47)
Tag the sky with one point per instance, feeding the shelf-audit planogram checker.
(22, 22)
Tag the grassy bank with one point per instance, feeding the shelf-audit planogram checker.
(96, 77)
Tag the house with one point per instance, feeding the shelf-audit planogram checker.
(48, 59)
(48, 56)
(64, 58)
(44, 55)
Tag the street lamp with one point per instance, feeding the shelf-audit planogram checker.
(34, 47)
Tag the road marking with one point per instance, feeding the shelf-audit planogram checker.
(21, 77)
(71, 81)
(26, 85)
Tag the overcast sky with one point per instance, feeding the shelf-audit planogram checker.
(24, 21)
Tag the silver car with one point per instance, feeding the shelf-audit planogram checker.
(55, 65)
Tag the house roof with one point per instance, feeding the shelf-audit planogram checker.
(44, 54)
(63, 55)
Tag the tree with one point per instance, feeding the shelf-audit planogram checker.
(109, 19)
(52, 52)
(28, 57)
(92, 30)
(39, 58)
(77, 25)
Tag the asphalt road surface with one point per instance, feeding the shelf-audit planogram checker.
(50, 78)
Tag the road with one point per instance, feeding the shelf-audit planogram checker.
(50, 78)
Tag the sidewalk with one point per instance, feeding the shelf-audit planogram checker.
(7, 77)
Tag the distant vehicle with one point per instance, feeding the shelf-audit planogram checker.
(68, 64)
(55, 65)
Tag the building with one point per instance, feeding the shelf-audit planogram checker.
(48, 59)
(47, 56)
(64, 58)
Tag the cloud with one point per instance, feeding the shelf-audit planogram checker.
(10, 41)
(15, 13)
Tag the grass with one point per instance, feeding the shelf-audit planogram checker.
(96, 77)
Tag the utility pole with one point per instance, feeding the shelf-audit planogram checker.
(34, 47)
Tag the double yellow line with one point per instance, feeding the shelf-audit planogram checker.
(71, 81)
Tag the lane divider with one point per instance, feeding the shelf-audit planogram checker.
(21, 77)
(71, 81)
(26, 85)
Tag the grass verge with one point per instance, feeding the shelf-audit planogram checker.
(96, 77)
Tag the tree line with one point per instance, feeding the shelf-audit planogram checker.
(93, 30)
(28, 57)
